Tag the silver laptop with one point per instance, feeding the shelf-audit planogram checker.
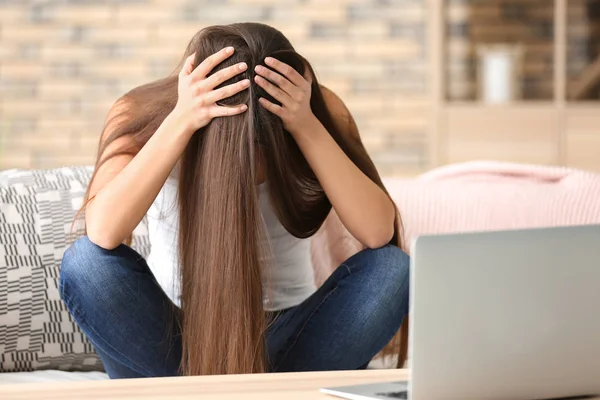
(501, 315)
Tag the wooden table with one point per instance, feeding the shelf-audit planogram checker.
(283, 386)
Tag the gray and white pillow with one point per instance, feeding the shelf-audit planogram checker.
(37, 209)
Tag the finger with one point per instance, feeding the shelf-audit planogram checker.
(285, 70)
(223, 111)
(188, 65)
(277, 79)
(211, 62)
(308, 76)
(223, 75)
(226, 91)
(273, 90)
(274, 108)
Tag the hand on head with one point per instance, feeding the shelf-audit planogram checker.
(289, 88)
(197, 96)
(199, 93)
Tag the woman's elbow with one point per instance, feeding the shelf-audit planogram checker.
(379, 237)
(382, 232)
(101, 236)
(104, 241)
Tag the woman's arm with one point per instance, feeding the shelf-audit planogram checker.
(125, 186)
(362, 206)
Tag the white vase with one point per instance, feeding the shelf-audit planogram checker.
(499, 73)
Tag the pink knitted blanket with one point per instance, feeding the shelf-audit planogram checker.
(474, 196)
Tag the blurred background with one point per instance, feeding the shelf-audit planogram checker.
(430, 82)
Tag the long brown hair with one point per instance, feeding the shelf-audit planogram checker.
(223, 323)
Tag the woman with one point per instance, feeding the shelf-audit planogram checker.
(237, 161)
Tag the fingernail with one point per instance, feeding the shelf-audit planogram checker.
(242, 66)
(258, 68)
(246, 82)
(244, 107)
(229, 50)
(257, 78)
(268, 60)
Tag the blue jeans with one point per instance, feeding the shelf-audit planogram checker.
(118, 304)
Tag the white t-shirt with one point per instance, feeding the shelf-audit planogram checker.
(288, 276)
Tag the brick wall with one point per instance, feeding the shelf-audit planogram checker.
(63, 62)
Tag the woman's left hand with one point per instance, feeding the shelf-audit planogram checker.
(291, 89)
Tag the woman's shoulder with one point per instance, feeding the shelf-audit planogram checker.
(334, 103)
(342, 117)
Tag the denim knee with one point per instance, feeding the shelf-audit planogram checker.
(386, 272)
(393, 272)
(84, 274)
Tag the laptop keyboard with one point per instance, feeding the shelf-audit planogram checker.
(394, 395)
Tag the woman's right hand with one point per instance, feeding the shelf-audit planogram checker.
(197, 97)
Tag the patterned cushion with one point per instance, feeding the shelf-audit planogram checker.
(37, 209)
